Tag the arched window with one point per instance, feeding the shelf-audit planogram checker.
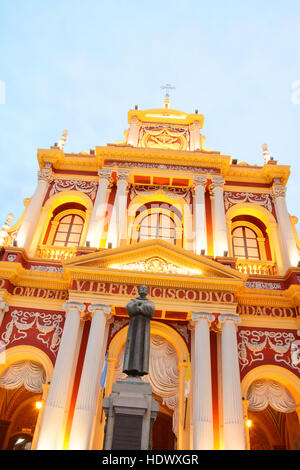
(245, 243)
(157, 220)
(69, 230)
(65, 228)
(157, 225)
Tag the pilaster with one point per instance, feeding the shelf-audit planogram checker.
(200, 214)
(288, 242)
(29, 222)
(97, 220)
(117, 234)
(218, 215)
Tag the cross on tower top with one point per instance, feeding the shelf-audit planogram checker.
(167, 88)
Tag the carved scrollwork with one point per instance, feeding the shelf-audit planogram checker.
(48, 325)
(87, 187)
(216, 183)
(45, 175)
(278, 191)
(253, 343)
(231, 198)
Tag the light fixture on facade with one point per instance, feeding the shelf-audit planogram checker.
(19, 440)
(249, 423)
(38, 405)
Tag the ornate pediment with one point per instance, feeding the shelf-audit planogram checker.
(154, 257)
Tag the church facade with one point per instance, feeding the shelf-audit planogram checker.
(211, 238)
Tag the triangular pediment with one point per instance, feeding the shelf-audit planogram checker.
(154, 257)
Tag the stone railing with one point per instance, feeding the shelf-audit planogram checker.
(257, 267)
(56, 252)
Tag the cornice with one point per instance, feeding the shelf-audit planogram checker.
(294, 293)
(255, 321)
(19, 276)
(232, 172)
(63, 161)
(164, 116)
(266, 298)
(34, 302)
(165, 156)
(257, 174)
(11, 271)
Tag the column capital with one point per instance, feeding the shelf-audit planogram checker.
(195, 125)
(124, 175)
(104, 173)
(229, 317)
(196, 316)
(74, 306)
(106, 309)
(45, 175)
(3, 306)
(217, 182)
(199, 180)
(278, 191)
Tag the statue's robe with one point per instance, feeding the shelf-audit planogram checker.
(137, 349)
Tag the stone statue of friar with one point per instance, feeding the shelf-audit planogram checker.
(137, 349)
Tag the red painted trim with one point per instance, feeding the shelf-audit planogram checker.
(74, 172)
(250, 185)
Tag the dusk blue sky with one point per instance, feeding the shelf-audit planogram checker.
(81, 66)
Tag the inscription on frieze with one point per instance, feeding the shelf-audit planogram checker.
(196, 295)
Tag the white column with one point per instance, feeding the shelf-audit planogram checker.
(118, 224)
(218, 216)
(195, 136)
(90, 379)
(40, 417)
(200, 214)
(55, 414)
(202, 396)
(133, 135)
(96, 225)
(290, 251)
(233, 417)
(32, 213)
(3, 309)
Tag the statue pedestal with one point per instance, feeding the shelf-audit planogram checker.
(130, 411)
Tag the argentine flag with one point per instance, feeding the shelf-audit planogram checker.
(104, 371)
